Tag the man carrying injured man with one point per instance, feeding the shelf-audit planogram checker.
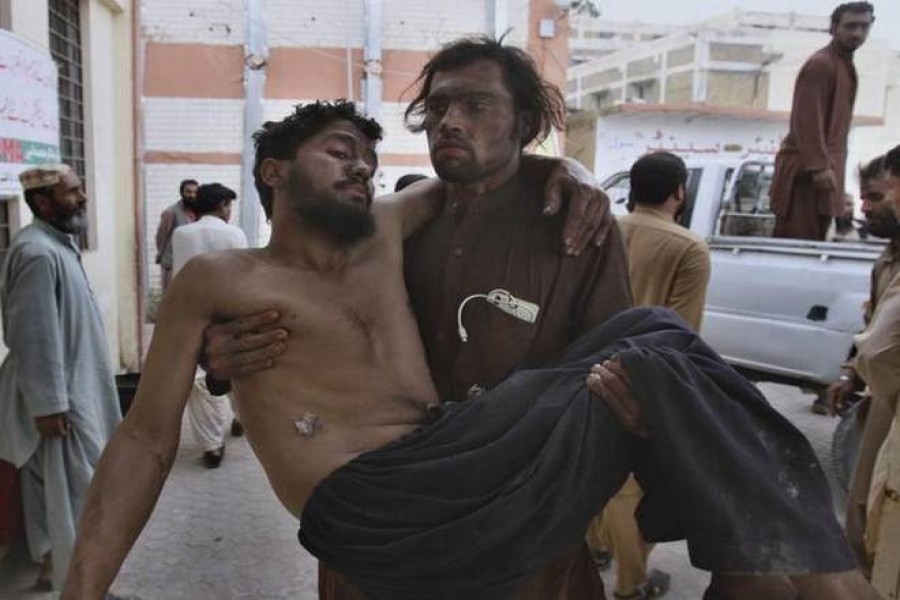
(409, 498)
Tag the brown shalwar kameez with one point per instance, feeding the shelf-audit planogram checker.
(820, 122)
(503, 240)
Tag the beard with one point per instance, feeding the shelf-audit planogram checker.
(345, 222)
(843, 224)
(73, 222)
(886, 228)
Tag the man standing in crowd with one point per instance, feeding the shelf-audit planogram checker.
(808, 185)
(174, 216)
(668, 265)
(209, 415)
(844, 228)
(58, 400)
(878, 364)
(881, 222)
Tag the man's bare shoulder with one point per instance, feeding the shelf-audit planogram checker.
(819, 63)
(411, 207)
(388, 213)
(222, 268)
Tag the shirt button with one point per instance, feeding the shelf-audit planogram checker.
(457, 251)
(454, 206)
(439, 337)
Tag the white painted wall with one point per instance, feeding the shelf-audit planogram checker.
(193, 124)
(215, 22)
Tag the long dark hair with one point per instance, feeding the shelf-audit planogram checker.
(540, 100)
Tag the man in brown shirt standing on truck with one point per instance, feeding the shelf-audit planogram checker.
(808, 187)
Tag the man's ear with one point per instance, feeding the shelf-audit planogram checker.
(526, 127)
(42, 204)
(273, 172)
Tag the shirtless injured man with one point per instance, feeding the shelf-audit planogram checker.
(411, 498)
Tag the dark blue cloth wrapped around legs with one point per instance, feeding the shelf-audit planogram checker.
(472, 504)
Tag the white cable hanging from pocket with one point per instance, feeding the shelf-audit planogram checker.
(518, 308)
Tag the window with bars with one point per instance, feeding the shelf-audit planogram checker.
(65, 47)
(5, 228)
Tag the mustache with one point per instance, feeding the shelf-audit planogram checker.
(357, 181)
(451, 142)
(352, 180)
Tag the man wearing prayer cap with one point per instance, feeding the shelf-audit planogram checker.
(58, 402)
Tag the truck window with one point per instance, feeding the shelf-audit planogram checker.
(745, 207)
(690, 192)
(617, 188)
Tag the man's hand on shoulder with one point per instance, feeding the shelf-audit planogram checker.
(611, 383)
(570, 184)
(242, 346)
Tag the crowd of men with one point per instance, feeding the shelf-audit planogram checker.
(366, 380)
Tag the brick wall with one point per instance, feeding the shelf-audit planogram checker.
(197, 21)
(193, 124)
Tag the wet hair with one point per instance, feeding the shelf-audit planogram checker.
(892, 162)
(184, 183)
(542, 101)
(853, 7)
(281, 139)
(654, 177)
(407, 180)
(871, 169)
(211, 197)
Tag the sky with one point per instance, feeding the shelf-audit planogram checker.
(887, 12)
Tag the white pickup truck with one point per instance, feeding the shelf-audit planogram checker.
(777, 309)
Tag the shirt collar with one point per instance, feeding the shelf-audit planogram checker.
(63, 238)
(510, 194)
(643, 209)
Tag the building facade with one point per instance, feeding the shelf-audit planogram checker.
(745, 61)
(87, 45)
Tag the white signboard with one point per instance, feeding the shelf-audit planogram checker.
(623, 138)
(29, 109)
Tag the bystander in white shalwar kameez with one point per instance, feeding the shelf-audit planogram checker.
(209, 416)
(878, 362)
(58, 362)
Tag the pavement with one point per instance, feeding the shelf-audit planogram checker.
(222, 534)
